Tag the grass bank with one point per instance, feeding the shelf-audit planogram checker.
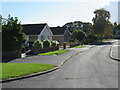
(12, 70)
(53, 52)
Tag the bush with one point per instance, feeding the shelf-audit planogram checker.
(78, 34)
(53, 44)
(46, 43)
(38, 44)
(91, 38)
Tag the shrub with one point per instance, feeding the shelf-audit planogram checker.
(78, 34)
(91, 38)
(53, 44)
(38, 44)
(46, 43)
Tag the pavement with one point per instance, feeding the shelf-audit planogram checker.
(115, 51)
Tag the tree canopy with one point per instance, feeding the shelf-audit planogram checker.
(101, 24)
(78, 34)
(12, 34)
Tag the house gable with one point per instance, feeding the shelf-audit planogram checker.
(46, 31)
(61, 34)
(67, 32)
(45, 34)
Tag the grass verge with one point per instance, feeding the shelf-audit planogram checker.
(80, 46)
(53, 52)
(12, 70)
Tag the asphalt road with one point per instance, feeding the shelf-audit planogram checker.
(91, 69)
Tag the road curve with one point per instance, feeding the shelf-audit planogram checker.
(91, 69)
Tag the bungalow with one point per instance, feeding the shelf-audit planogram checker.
(61, 34)
(37, 31)
(42, 32)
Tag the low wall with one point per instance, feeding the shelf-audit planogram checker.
(37, 51)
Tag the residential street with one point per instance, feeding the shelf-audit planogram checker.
(92, 68)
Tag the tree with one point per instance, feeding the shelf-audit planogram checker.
(91, 38)
(13, 36)
(78, 34)
(101, 24)
(88, 28)
(70, 25)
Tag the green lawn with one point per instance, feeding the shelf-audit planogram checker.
(53, 52)
(10, 70)
(80, 46)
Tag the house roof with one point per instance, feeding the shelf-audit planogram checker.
(67, 32)
(33, 29)
(58, 30)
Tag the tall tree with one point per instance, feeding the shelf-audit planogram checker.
(101, 23)
(12, 34)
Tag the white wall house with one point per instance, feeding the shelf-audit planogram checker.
(37, 31)
(45, 34)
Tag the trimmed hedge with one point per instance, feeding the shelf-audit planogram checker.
(46, 44)
(53, 44)
(38, 44)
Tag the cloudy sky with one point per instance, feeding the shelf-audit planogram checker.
(57, 12)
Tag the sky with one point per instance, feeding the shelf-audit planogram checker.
(57, 12)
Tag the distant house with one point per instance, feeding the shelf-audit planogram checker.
(61, 34)
(37, 31)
